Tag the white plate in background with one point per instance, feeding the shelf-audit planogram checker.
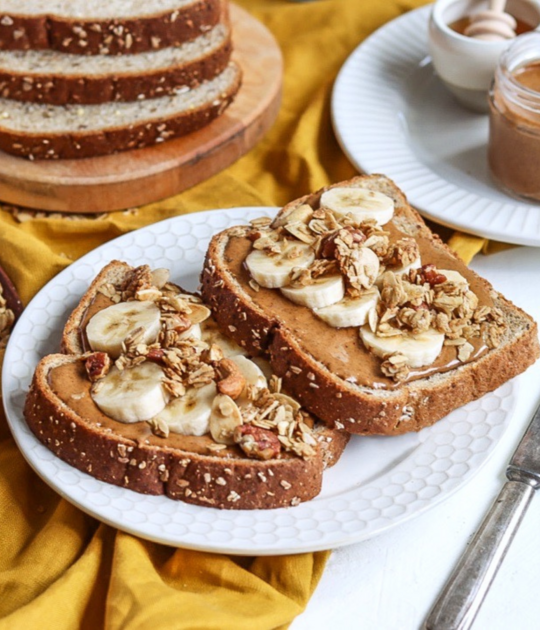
(392, 115)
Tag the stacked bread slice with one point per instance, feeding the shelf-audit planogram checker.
(81, 80)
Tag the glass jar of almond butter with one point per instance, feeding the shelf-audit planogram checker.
(514, 119)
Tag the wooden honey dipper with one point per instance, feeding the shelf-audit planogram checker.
(493, 24)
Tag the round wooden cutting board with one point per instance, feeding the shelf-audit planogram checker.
(134, 178)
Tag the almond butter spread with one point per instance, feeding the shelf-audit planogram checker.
(340, 349)
(241, 413)
(70, 383)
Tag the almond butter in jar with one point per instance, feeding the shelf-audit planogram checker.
(514, 119)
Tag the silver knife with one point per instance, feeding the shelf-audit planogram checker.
(465, 590)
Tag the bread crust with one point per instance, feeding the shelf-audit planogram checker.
(115, 273)
(116, 36)
(164, 470)
(360, 409)
(75, 144)
(190, 477)
(60, 89)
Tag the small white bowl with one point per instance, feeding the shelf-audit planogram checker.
(466, 65)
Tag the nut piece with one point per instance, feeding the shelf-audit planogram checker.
(283, 399)
(395, 366)
(178, 323)
(97, 365)
(360, 266)
(429, 274)
(213, 354)
(198, 313)
(300, 214)
(225, 417)
(402, 253)
(231, 381)
(160, 277)
(156, 355)
(349, 236)
(256, 442)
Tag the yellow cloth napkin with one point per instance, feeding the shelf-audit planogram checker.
(62, 569)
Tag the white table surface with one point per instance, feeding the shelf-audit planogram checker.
(390, 582)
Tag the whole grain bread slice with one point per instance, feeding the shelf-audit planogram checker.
(40, 131)
(205, 476)
(117, 27)
(47, 76)
(209, 480)
(340, 399)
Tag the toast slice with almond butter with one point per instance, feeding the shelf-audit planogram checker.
(371, 322)
(150, 396)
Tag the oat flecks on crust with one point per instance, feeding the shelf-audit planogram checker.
(509, 333)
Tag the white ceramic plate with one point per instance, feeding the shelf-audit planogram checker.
(378, 483)
(392, 115)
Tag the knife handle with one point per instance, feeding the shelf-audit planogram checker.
(464, 592)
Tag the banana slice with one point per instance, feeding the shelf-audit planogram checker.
(323, 292)
(361, 203)
(264, 366)
(274, 271)
(190, 414)
(133, 394)
(349, 311)
(211, 334)
(420, 350)
(250, 371)
(108, 328)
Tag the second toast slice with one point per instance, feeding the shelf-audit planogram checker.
(416, 333)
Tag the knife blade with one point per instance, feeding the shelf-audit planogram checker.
(464, 592)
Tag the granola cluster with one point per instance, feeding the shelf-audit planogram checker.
(262, 421)
(369, 257)
(266, 412)
(360, 251)
(7, 318)
(424, 299)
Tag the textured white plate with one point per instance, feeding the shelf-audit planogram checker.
(378, 483)
(392, 115)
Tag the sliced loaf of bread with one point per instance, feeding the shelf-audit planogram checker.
(105, 27)
(39, 131)
(48, 76)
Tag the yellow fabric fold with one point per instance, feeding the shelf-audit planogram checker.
(466, 246)
(60, 568)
